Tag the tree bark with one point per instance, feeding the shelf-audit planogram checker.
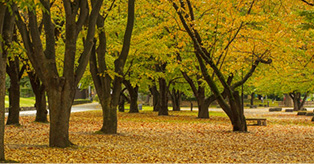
(2, 93)
(203, 106)
(163, 90)
(13, 70)
(237, 118)
(121, 103)
(147, 99)
(3, 60)
(133, 91)
(2, 89)
(298, 104)
(40, 97)
(110, 120)
(6, 31)
(109, 99)
(176, 99)
(156, 99)
(14, 101)
(41, 107)
(102, 85)
(60, 97)
(252, 98)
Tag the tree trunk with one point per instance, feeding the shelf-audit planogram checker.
(133, 91)
(60, 97)
(252, 98)
(3, 61)
(191, 106)
(40, 97)
(41, 107)
(133, 103)
(176, 100)
(297, 102)
(6, 31)
(110, 120)
(13, 70)
(14, 101)
(202, 107)
(155, 93)
(108, 101)
(163, 90)
(237, 119)
(2, 97)
(103, 84)
(60, 88)
(288, 100)
(121, 103)
(147, 99)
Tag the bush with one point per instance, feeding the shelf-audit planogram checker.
(81, 101)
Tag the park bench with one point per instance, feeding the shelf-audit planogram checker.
(256, 121)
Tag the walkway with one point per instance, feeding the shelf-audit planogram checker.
(75, 108)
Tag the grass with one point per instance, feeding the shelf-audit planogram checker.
(30, 101)
(24, 102)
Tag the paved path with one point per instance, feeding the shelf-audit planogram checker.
(75, 108)
(96, 106)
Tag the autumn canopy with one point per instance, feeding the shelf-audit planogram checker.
(210, 51)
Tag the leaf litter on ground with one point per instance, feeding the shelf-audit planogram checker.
(178, 138)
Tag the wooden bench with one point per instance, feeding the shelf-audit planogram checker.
(256, 121)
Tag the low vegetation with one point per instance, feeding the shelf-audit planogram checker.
(24, 102)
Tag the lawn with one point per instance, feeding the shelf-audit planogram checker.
(179, 138)
(24, 102)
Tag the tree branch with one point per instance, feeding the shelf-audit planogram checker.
(187, 78)
(83, 15)
(94, 70)
(250, 73)
(83, 61)
(308, 3)
(119, 63)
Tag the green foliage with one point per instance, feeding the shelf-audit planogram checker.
(308, 16)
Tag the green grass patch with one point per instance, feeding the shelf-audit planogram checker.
(24, 102)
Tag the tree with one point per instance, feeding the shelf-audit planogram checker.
(291, 75)
(163, 89)
(298, 102)
(212, 52)
(154, 91)
(198, 89)
(103, 77)
(133, 92)
(60, 86)
(6, 34)
(40, 97)
(122, 100)
(15, 73)
(154, 44)
(309, 18)
(175, 96)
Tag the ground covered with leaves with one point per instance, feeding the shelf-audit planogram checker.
(180, 137)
